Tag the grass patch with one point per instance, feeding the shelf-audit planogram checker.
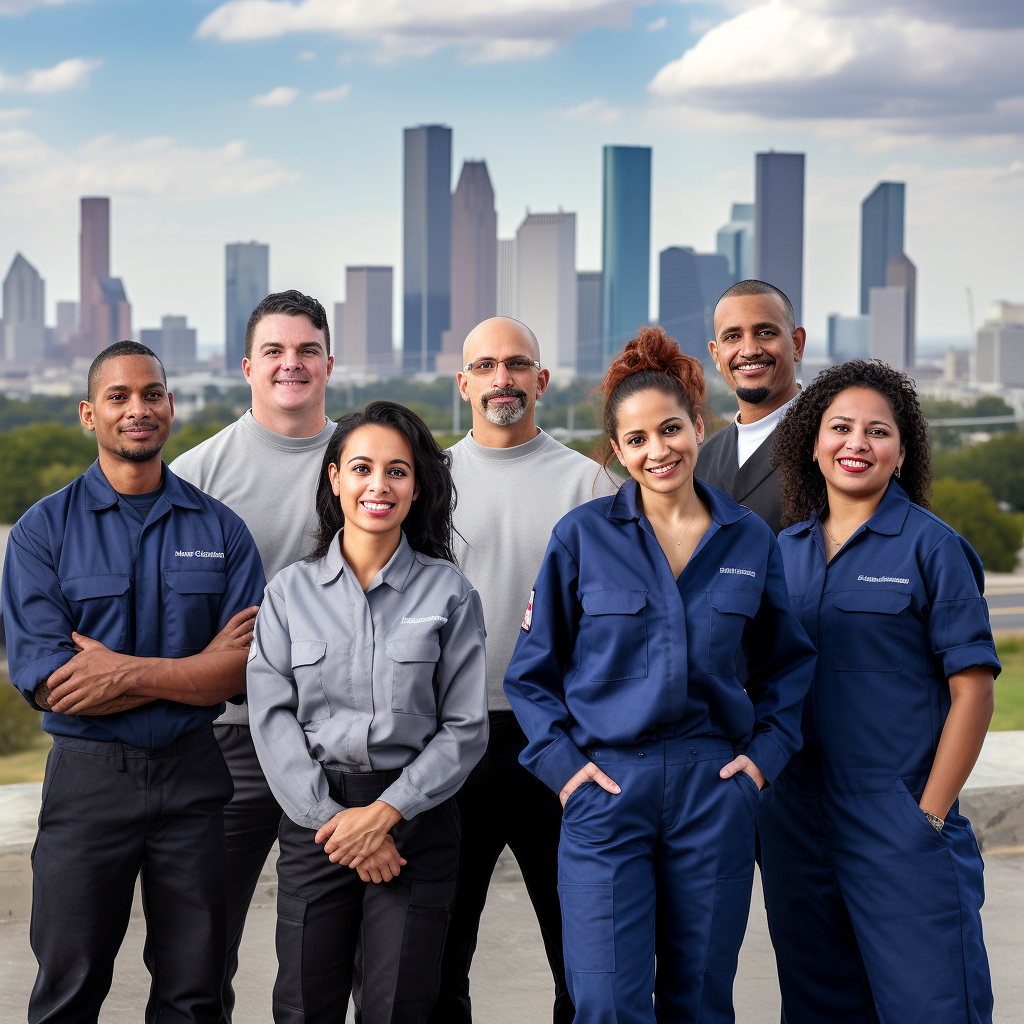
(1009, 712)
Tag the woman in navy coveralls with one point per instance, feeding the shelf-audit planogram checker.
(872, 877)
(653, 610)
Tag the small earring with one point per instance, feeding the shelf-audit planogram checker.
(897, 473)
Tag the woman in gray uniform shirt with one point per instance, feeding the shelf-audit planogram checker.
(367, 700)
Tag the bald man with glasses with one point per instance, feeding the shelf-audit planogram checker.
(514, 483)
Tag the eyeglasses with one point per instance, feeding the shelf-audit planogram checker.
(514, 366)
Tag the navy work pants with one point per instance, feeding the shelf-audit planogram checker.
(659, 873)
(108, 812)
(875, 916)
(501, 805)
(327, 916)
(251, 821)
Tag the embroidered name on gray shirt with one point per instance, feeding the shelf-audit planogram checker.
(407, 621)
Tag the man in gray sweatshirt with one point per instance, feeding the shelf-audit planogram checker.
(514, 483)
(265, 467)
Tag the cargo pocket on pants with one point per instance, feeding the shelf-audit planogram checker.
(588, 926)
(291, 919)
(728, 922)
(426, 927)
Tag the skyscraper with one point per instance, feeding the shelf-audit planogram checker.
(689, 285)
(111, 313)
(67, 321)
(735, 241)
(368, 320)
(246, 284)
(881, 235)
(174, 342)
(901, 273)
(625, 244)
(779, 224)
(888, 316)
(426, 243)
(93, 264)
(506, 305)
(849, 337)
(546, 284)
(474, 278)
(24, 330)
(589, 344)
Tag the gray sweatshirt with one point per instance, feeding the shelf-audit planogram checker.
(269, 481)
(509, 500)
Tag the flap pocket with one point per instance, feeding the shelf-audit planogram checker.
(735, 602)
(419, 648)
(308, 652)
(880, 602)
(81, 588)
(195, 581)
(613, 602)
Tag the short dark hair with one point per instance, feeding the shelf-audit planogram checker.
(290, 303)
(792, 453)
(119, 348)
(754, 287)
(428, 526)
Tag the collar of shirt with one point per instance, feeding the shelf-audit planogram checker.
(518, 451)
(888, 518)
(395, 574)
(750, 436)
(100, 495)
(626, 503)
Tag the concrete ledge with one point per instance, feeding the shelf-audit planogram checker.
(993, 799)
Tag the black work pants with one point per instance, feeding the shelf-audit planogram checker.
(501, 805)
(324, 911)
(251, 821)
(108, 812)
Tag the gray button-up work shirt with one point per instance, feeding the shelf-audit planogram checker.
(393, 677)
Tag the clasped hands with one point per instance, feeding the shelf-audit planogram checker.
(358, 838)
(591, 773)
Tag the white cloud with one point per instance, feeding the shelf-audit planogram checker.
(491, 29)
(34, 174)
(306, 55)
(657, 25)
(279, 97)
(13, 8)
(333, 94)
(14, 114)
(68, 74)
(912, 67)
(596, 111)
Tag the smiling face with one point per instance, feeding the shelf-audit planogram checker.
(375, 480)
(289, 368)
(755, 350)
(657, 441)
(131, 410)
(858, 446)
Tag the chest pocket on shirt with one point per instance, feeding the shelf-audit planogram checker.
(99, 606)
(867, 630)
(308, 660)
(731, 610)
(613, 634)
(414, 660)
(192, 599)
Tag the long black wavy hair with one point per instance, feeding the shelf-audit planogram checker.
(803, 486)
(428, 526)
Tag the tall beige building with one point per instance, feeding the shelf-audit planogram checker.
(546, 285)
(365, 344)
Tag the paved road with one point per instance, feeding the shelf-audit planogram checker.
(511, 984)
(1005, 603)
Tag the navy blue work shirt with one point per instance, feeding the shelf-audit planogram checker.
(895, 613)
(617, 652)
(159, 588)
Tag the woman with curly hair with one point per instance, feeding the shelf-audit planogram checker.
(368, 706)
(658, 676)
(872, 877)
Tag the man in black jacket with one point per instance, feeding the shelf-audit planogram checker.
(756, 348)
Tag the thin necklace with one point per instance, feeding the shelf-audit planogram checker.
(689, 523)
(829, 535)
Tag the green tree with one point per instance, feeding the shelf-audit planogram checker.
(999, 464)
(970, 508)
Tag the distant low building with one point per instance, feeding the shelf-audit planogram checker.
(589, 345)
(174, 342)
(1000, 346)
(849, 337)
(888, 319)
(367, 345)
(735, 241)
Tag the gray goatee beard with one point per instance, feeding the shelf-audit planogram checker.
(506, 414)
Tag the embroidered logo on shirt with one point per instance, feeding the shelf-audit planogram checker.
(883, 579)
(528, 617)
(198, 554)
(422, 618)
(740, 572)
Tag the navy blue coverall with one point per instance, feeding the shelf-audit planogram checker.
(621, 664)
(140, 790)
(875, 915)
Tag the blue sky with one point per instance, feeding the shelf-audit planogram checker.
(157, 103)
